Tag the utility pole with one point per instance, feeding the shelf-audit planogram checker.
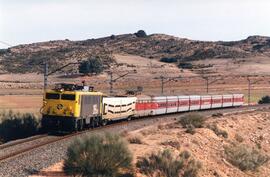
(162, 85)
(111, 83)
(163, 82)
(207, 84)
(45, 75)
(249, 87)
(112, 80)
(206, 78)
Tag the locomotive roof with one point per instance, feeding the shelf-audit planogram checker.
(75, 92)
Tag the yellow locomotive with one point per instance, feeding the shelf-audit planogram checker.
(71, 107)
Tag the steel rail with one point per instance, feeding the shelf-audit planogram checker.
(26, 140)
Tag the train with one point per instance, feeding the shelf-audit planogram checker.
(71, 107)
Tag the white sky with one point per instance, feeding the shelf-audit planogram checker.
(27, 21)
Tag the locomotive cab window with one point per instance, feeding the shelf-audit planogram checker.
(68, 97)
(54, 96)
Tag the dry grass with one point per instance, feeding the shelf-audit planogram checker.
(194, 119)
(135, 140)
(98, 155)
(146, 132)
(21, 103)
(217, 130)
(166, 164)
(245, 157)
(238, 138)
(172, 143)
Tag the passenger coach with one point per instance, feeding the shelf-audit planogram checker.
(146, 106)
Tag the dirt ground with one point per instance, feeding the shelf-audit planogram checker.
(21, 103)
(204, 145)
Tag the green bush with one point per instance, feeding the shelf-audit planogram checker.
(264, 100)
(91, 66)
(244, 157)
(192, 119)
(165, 164)
(16, 125)
(141, 33)
(218, 131)
(97, 155)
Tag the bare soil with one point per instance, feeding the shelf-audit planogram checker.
(21, 103)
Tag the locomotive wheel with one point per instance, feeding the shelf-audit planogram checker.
(104, 122)
(80, 125)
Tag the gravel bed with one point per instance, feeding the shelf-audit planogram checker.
(43, 157)
(25, 145)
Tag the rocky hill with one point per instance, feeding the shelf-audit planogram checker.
(29, 57)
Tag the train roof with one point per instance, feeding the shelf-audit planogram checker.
(74, 92)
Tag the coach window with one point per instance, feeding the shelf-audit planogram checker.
(68, 97)
(54, 96)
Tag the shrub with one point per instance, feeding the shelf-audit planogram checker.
(168, 60)
(174, 144)
(217, 114)
(218, 131)
(139, 88)
(264, 100)
(124, 133)
(141, 33)
(194, 119)
(90, 66)
(17, 125)
(185, 65)
(165, 164)
(3, 51)
(239, 138)
(112, 37)
(97, 155)
(190, 129)
(244, 157)
(135, 140)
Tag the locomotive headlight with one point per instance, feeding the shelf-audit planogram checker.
(70, 110)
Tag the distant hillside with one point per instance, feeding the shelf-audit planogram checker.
(29, 57)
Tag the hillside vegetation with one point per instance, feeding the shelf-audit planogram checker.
(30, 57)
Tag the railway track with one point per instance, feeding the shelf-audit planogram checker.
(18, 142)
(54, 139)
(50, 140)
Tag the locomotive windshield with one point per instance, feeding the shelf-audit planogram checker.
(54, 96)
(68, 97)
